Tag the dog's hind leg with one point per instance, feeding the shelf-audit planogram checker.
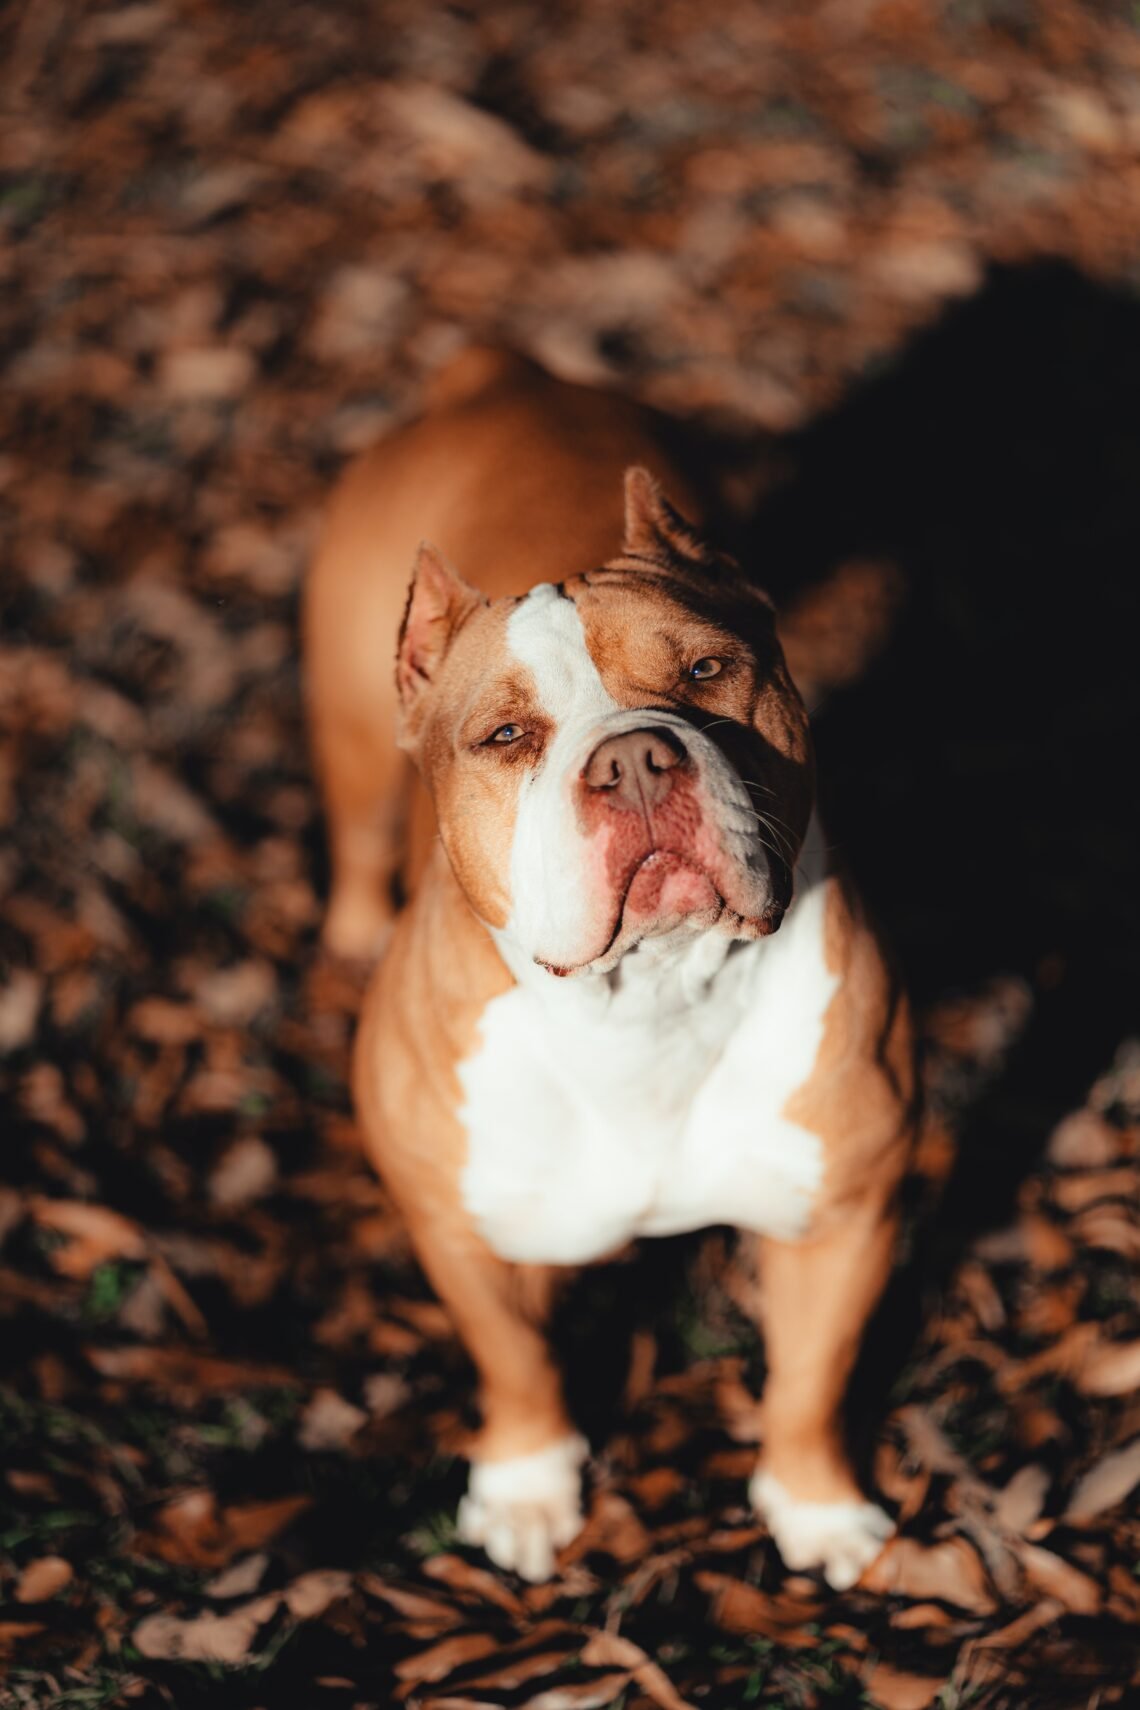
(365, 792)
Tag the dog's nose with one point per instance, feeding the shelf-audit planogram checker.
(636, 769)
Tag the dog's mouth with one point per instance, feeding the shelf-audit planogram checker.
(664, 890)
(665, 887)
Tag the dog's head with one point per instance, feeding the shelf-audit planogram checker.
(615, 758)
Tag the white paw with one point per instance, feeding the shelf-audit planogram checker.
(523, 1510)
(841, 1538)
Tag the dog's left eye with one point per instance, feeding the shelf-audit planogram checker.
(506, 733)
(704, 668)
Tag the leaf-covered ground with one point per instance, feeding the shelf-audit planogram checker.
(235, 240)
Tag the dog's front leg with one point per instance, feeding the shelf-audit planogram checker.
(816, 1297)
(523, 1499)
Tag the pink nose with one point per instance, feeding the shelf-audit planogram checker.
(634, 771)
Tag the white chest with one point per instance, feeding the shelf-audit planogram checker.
(594, 1116)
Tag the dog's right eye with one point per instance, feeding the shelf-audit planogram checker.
(505, 734)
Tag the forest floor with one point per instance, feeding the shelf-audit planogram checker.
(885, 259)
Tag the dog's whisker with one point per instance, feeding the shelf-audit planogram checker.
(774, 816)
(785, 846)
(772, 822)
(755, 784)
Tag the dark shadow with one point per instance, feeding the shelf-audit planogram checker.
(981, 781)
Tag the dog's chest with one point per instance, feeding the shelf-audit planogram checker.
(591, 1123)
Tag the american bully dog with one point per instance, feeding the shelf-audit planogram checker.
(630, 995)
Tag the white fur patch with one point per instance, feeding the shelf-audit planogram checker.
(549, 904)
(650, 1100)
(840, 1538)
(523, 1510)
(544, 633)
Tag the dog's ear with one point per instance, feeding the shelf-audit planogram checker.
(654, 528)
(439, 600)
(657, 534)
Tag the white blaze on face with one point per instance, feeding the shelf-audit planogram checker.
(551, 898)
(544, 633)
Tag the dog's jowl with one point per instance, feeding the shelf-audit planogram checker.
(629, 995)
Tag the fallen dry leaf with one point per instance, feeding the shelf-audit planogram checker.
(612, 1526)
(585, 1695)
(1015, 1632)
(1083, 1140)
(206, 1637)
(1111, 1226)
(742, 1608)
(893, 1689)
(950, 1571)
(246, 1171)
(1073, 1193)
(252, 1524)
(605, 1648)
(385, 1393)
(438, 1660)
(240, 1579)
(922, 1615)
(94, 1234)
(12, 1633)
(462, 1701)
(230, 1638)
(191, 1530)
(1106, 1483)
(1019, 1504)
(43, 1578)
(1058, 1579)
(20, 999)
(312, 1593)
(181, 1370)
(410, 1603)
(466, 1578)
(329, 1421)
(510, 1671)
(232, 997)
(1111, 1368)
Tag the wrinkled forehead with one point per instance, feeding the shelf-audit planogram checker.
(576, 652)
(642, 630)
